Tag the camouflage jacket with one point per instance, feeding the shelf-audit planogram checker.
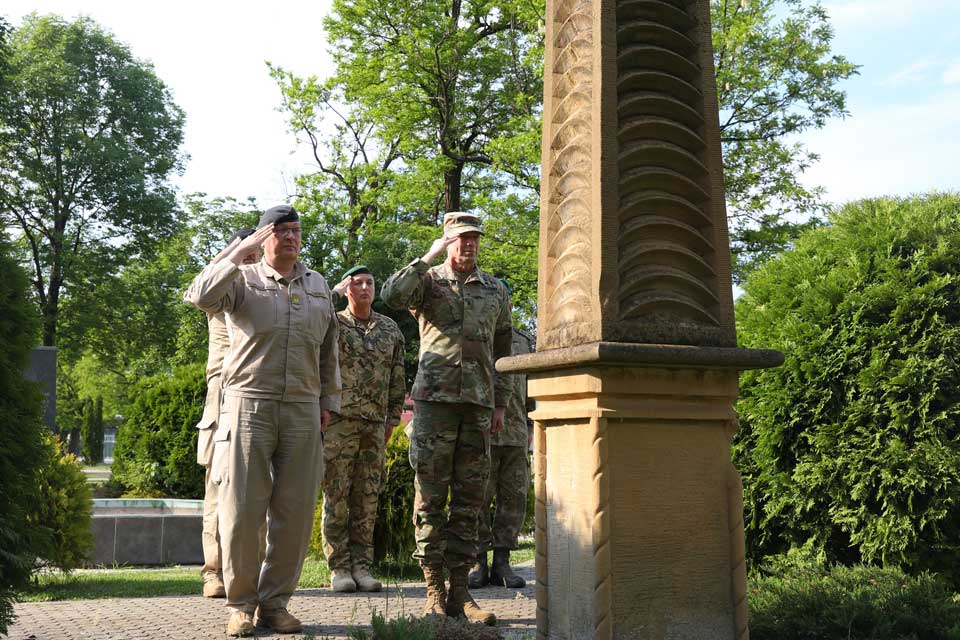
(463, 330)
(516, 427)
(371, 368)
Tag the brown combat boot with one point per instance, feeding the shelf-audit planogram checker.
(501, 574)
(280, 620)
(479, 575)
(240, 624)
(436, 592)
(213, 586)
(461, 603)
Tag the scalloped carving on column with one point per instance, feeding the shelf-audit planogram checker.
(667, 261)
(569, 180)
(540, 528)
(603, 578)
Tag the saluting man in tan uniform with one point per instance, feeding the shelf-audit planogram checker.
(218, 344)
(280, 380)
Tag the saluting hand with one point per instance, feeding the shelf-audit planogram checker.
(438, 247)
(253, 241)
(341, 287)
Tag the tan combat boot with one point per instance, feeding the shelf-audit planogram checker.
(461, 603)
(436, 592)
(280, 620)
(365, 581)
(213, 586)
(341, 580)
(240, 624)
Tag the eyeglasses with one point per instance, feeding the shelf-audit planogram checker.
(285, 231)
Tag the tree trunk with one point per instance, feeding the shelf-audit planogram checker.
(451, 188)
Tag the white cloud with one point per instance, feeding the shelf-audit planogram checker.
(889, 150)
(913, 72)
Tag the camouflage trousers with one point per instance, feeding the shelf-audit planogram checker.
(508, 482)
(353, 453)
(453, 456)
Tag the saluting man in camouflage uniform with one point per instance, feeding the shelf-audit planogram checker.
(509, 481)
(464, 317)
(371, 368)
(218, 344)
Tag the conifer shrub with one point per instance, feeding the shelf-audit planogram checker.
(800, 596)
(63, 510)
(21, 429)
(853, 445)
(156, 449)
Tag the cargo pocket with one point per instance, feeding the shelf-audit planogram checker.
(219, 470)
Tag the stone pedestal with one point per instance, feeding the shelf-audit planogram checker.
(639, 510)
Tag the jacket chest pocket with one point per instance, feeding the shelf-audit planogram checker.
(317, 312)
(446, 306)
(263, 307)
(480, 315)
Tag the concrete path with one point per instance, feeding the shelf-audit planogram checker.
(325, 614)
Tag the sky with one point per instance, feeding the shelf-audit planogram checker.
(901, 137)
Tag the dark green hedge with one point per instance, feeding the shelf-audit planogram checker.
(156, 449)
(854, 443)
(21, 429)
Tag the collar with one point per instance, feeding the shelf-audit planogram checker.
(449, 274)
(350, 320)
(270, 272)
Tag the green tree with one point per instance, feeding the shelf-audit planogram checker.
(853, 445)
(777, 77)
(88, 137)
(21, 455)
(93, 430)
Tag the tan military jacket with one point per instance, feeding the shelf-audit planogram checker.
(371, 367)
(219, 343)
(463, 330)
(516, 427)
(283, 333)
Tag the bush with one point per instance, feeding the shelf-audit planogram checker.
(21, 453)
(64, 509)
(797, 597)
(156, 449)
(423, 628)
(854, 443)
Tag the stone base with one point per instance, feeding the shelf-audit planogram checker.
(639, 509)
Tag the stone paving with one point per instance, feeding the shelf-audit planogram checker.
(325, 614)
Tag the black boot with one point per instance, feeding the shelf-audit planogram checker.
(479, 575)
(501, 574)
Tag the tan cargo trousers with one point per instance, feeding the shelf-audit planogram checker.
(212, 556)
(267, 462)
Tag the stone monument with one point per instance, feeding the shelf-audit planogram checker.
(639, 528)
(43, 370)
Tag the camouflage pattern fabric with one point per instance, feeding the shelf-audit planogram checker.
(463, 330)
(371, 368)
(353, 456)
(453, 455)
(509, 482)
(516, 427)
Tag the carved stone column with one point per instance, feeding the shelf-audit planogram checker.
(639, 510)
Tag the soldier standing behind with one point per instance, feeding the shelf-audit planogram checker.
(218, 343)
(509, 482)
(464, 317)
(371, 368)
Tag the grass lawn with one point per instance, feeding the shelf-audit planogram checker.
(91, 584)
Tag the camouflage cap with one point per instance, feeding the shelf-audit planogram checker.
(457, 223)
(355, 270)
(278, 215)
